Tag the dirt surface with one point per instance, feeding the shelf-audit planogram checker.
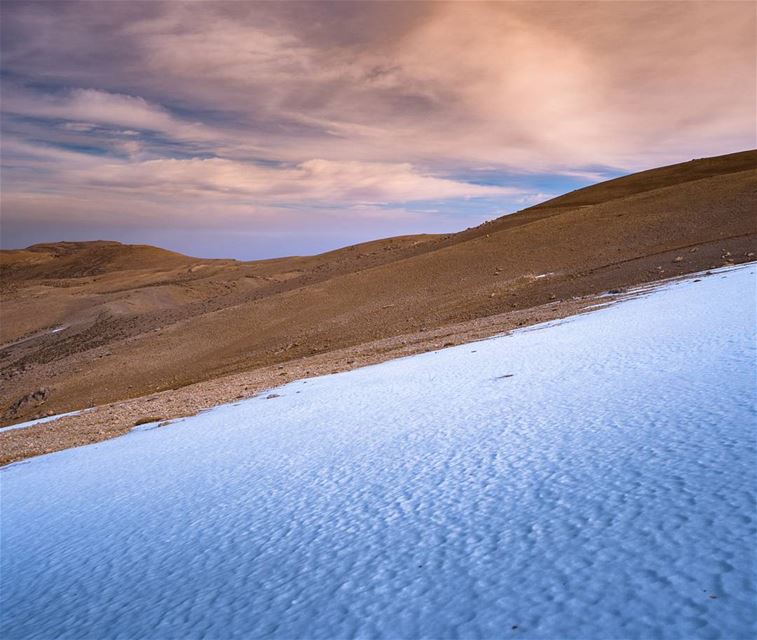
(108, 421)
(127, 328)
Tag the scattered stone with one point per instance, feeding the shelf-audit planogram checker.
(507, 375)
(678, 259)
(272, 395)
(614, 292)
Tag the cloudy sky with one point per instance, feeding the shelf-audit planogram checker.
(250, 130)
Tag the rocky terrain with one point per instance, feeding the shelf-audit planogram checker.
(96, 323)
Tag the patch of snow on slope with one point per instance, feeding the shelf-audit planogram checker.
(593, 479)
(31, 423)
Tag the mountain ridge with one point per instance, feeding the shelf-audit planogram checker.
(121, 321)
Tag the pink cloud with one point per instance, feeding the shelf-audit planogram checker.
(228, 111)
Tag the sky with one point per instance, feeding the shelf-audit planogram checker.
(254, 130)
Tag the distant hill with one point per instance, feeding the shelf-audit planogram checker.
(100, 321)
(58, 260)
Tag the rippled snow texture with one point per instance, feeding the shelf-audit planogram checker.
(605, 490)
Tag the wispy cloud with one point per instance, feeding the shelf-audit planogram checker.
(276, 112)
(322, 181)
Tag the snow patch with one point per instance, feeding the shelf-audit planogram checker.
(31, 423)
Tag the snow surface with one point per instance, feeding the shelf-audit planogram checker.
(31, 423)
(606, 489)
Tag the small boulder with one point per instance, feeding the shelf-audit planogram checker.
(148, 420)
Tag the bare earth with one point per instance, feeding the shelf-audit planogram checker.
(139, 332)
(115, 419)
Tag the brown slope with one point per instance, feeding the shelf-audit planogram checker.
(60, 260)
(65, 304)
(624, 187)
(171, 325)
(139, 288)
(655, 179)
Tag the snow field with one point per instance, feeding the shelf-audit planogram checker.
(606, 488)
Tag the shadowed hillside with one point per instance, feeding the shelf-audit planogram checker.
(93, 322)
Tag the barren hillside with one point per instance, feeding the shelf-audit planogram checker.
(88, 323)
